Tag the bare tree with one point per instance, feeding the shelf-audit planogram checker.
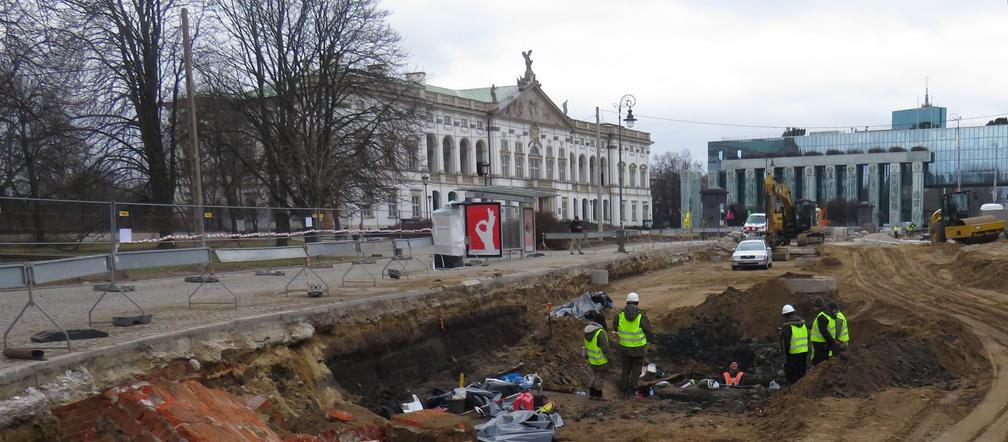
(666, 178)
(43, 152)
(133, 70)
(315, 80)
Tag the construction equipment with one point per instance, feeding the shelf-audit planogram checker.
(788, 219)
(953, 221)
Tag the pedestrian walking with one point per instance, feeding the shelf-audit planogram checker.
(576, 227)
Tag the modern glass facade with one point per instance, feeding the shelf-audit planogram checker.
(981, 150)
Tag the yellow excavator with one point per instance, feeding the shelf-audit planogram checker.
(788, 219)
(953, 221)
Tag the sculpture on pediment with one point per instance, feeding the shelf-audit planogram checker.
(529, 78)
(493, 93)
(565, 107)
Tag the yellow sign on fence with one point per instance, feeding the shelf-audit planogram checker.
(124, 213)
(208, 215)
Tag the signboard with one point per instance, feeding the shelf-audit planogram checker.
(124, 213)
(529, 219)
(483, 229)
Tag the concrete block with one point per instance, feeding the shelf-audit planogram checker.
(806, 262)
(814, 284)
(781, 254)
(802, 251)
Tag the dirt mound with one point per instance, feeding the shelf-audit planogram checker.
(755, 312)
(913, 352)
(982, 266)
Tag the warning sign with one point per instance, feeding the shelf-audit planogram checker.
(483, 229)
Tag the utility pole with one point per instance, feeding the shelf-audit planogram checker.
(197, 176)
(600, 217)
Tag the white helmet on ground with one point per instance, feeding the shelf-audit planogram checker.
(787, 309)
(632, 297)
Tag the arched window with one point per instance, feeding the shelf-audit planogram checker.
(604, 165)
(643, 176)
(582, 170)
(633, 176)
(431, 158)
(435, 200)
(591, 171)
(446, 155)
(452, 196)
(464, 157)
(481, 154)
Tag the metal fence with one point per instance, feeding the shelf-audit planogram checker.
(34, 229)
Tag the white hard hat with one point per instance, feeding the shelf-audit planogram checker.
(787, 309)
(632, 297)
(591, 327)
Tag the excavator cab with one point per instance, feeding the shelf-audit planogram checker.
(953, 221)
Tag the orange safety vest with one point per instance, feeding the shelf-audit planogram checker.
(728, 380)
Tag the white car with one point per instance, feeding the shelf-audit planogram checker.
(752, 253)
(755, 225)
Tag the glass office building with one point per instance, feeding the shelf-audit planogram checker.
(904, 170)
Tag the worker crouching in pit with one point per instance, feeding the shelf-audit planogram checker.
(633, 331)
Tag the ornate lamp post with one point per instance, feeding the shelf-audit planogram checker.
(627, 101)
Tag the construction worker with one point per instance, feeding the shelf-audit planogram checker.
(733, 377)
(632, 330)
(576, 227)
(596, 350)
(842, 327)
(794, 339)
(823, 333)
(895, 231)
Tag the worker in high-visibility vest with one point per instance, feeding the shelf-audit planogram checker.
(596, 350)
(842, 325)
(823, 333)
(794, 339)
(632, 330)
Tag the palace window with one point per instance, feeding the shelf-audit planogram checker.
(393, 206)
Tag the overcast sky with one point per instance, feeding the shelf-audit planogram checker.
(768, 62)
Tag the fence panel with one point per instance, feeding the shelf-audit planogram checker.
(162, 258)
(260, 254)
(12, 276)
(69, 268)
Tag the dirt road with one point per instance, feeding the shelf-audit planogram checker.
(934, 280)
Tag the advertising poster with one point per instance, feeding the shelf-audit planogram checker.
(529, 219)
(483, 229)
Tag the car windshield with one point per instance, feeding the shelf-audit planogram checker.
(750, 247)
(756, 219)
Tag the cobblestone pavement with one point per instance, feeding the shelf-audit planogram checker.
(166, 298)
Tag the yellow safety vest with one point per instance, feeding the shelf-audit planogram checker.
(799, 340)
(831, 326)
(844, 330)
(630, 333)
(595, 355)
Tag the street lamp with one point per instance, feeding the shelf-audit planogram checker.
(628, 101)
(425, 178)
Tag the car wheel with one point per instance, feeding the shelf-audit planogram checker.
(769, 265)
(733, 267)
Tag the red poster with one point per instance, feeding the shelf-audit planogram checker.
(483, 229)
